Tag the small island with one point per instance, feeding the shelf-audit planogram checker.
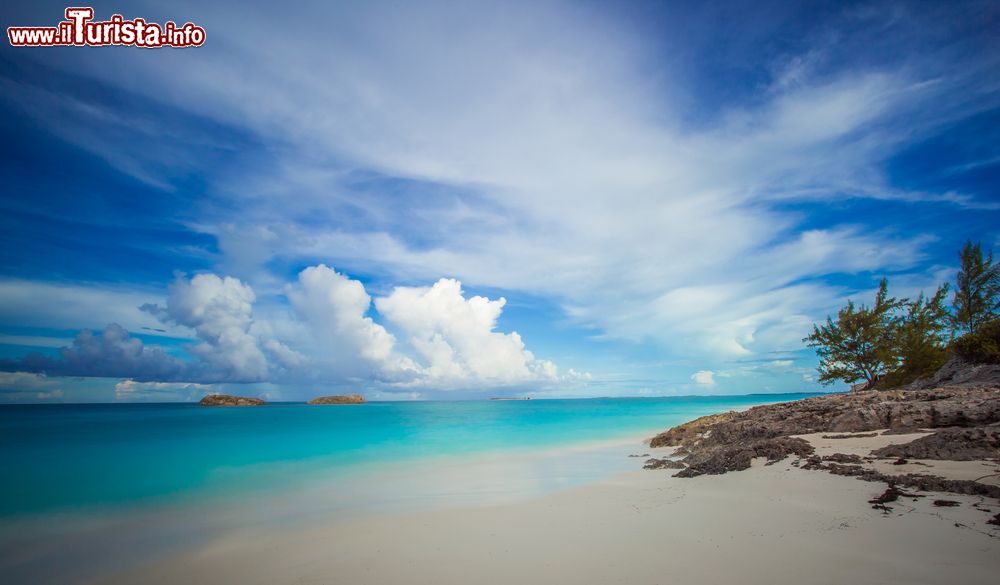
(339, 399)
(229, 400)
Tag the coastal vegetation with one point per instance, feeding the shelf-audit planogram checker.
(897, 341)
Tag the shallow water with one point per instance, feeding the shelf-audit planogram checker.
(73, 457)
(93, 489)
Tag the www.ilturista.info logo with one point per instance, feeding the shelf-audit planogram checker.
(80, 30)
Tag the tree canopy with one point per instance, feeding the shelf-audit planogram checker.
(977, 289)
(896, 341)
(859, 344)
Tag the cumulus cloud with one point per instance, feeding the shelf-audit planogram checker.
(112, 353)
(449, 340)
(285, 356)
(220, 311)
(705, 377)
(455, 338)
(334, 310)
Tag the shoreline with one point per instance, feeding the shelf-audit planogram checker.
(81, 540)
(772, 523)
(448, 508)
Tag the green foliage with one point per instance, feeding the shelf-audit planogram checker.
(920, 340)
(983, 346)
(860, 344)
(898, 341)
(977, 290)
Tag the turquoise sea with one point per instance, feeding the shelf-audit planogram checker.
(81, 457)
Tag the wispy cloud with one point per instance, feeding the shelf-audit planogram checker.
(677, 191)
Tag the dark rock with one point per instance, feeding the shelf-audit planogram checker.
(341, 399)
(662, 464)
(951, 444)
(900, 461)
(643, 455)
(861, 436)
(738, 456)
(228, 400)
(891, 494)
(927, 483)
(843, 458)
(946, 503)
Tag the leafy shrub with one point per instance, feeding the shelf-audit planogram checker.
(983, 346)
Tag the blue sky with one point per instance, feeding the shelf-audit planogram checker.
(432, 200)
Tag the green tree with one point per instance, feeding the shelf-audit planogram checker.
(977, 290)
(861, 344)
(921, 339)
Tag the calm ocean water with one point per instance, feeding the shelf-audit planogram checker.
(80, 457)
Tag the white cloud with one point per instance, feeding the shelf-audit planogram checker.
(285, 356)
(705, 377)
(571, 175)
(449, 341)
(333, 310)
(455, 338)
(589, 203)
(220, 311)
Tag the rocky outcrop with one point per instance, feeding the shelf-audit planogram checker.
(228, 400)
(664, 463)
(690, 431)
(844, 458)
(739, 456)
(950, 444)
(730, 441)
(897, 410)
(340, 399)
(959, 373)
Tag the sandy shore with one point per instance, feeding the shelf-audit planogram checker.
(770, 524)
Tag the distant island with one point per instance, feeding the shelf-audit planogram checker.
(229, 400)
(524, 398)
(339, 399)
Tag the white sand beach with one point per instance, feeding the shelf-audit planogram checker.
(770, 524)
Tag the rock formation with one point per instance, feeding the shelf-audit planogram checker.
(730, 441)
(959, 373)
(951, 444)
(228, 400)
(340, 399)
(897, 410)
